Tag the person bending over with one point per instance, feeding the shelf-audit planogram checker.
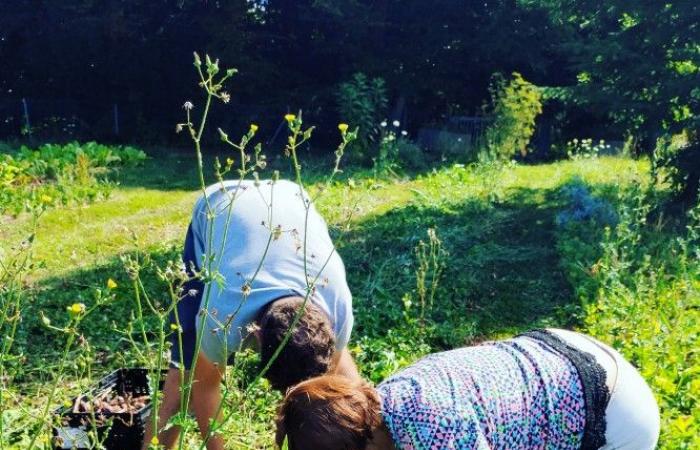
(545, 389)
(269, 252)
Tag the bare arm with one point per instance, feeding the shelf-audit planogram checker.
(345, 365)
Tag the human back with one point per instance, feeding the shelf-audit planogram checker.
(540, 390)
(266, 245)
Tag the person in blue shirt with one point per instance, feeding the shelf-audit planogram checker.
(272, 256)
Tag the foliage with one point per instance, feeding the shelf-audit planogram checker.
(437, 55)
(60, 174)
(638, 284)
(583, 207)
(685, 163)
(396, 151)
(515, 104)
(501, 274)
(637, 61)
(586, 148)
(362, 101)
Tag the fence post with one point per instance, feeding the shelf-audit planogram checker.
(116, 119)
(25, 108)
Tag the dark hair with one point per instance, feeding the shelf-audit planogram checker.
(330, 412)
(309, 351)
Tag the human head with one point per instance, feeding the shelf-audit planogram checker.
(311, 346)
(330, 412)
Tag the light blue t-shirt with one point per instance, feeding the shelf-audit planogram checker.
(256, 213)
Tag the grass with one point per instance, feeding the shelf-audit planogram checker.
(506, 270)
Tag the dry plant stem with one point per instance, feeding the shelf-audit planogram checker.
(11, 310)
(42, 419)
(309, 289)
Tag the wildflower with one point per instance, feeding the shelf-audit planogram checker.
(175, 327)
(396, 123)
(225, 97)
(188, 105)
(343, 127)
(192, 292)
(76, 309)
(383, 124)
(253, 127)
(229, 161)
(404, 133)
(154, 440)
(290, 117)
(178, 128)
(111, 284)
(46, 199)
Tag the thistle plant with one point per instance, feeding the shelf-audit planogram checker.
(246, 161)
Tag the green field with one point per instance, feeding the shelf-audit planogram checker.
(506, 266)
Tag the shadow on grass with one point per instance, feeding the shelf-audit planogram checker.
(502, 276)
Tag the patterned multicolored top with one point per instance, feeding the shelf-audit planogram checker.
(514, 394)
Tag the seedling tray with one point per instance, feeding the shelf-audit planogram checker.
(116, 430)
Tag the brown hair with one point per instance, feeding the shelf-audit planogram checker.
(330, 412)
(309, 351)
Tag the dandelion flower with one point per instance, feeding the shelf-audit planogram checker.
(76, 309)
(46, 199)
(253, 127)
(111, 284)
(290, 117)
(396, 123)
(343, 127)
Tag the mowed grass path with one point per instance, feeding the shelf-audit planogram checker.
(502, 274)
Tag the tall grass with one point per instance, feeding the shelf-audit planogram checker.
(639, 286)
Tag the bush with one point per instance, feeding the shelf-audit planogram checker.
(582, 207)
(686, 175)
(639, 286)
(60, 174)
(362, 102)
(515, 105)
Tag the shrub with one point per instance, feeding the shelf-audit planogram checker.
(582, 206)
(638, 283)
(515, 105)
(363, 101)
(59, 174)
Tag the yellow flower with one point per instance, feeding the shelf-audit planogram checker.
(174, 327)
(253, 127)
(46, 199)
(111, 284)
(343, 127)
(229, 161)
(290, 117)
(76, 309)
(154, 441)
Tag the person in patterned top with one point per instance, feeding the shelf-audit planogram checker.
(545, 389)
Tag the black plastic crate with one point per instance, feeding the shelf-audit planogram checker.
(118, 431)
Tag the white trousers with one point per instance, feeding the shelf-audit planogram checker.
(632, 415)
